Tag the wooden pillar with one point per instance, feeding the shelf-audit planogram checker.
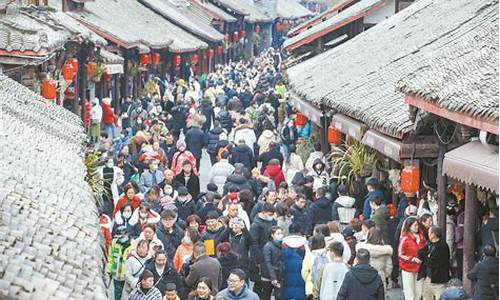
(82, 78)
(325, 147)
(441, 189)
(394, 165)
(124, 86)
(469, 233)
(116, 98)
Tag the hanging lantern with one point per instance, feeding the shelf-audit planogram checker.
(410, 180)
(235, 36)
(74, 63)
(219, 50)
(211, 53)
(300, 119)
(87, 114)
(177, 60)
(90, 68)
(145, 59)
(68, 72)
(107, 76)
(226, 37)
(257, 28)
(243, 34)
(334, 135)
(49, 89)
(194, 59)
(156, 58)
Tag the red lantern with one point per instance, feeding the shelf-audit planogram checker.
(145, 59)
(74, 63)
(49, 89)
(156, 58)
(107, 76)
(226, 37)
(300, 119)
(90, 68)
(334, 135)
(211, 53)
(257, 28)
(194, 59)
(177, 60)
(68, 72)
(87, 114)
(235, 36)
(219, 50)
(410, 180)
(243, 34)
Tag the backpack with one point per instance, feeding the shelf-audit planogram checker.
(319, 263)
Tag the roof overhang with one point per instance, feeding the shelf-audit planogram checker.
(349, 126)
(108, 36)
(312, 112)
(461, 118)
(474, 164)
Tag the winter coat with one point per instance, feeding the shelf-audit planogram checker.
(289, 135)
(245, 294)
(207, 110)
(204, 209)
(361, 282)
(136, 201)
(265, 139)
(265, 157)
(302, 217)
(321, 211)
(219, 172)
(185, 209)
(244, 155)
(330, 280)
(96, 112)
(321, 178)
(272, 267)
(274, 172)
(117, 256)
(408, 249)
(246, 133)
(170, 240)
(195, 141)
(169, 275)
(454, 293)
(225, 120)
(436, 261)
(243, 245)
(228, 263)
(338, 237)
(192, 185)
(118, 179)
(178, 159)
(380, 258)
(155, 242)
(205, 266)
(259, 230)
(182, 255)
(108, 115)
(312, 158)
(152, 294)
(293, 166)
(179, 116)
(213, 138)
(307, 268)
(148, 181)
(381, 216)
(238, 181)
(134, 266)
(367, 210)
(293, 253)
(212, 235)
(485, 277)
(305, 131)
(343, 210)
(152, 219)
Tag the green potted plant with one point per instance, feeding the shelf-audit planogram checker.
(351, 161)
(97, 72)
(305, 147)
(133, 69)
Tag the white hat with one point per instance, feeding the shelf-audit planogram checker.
(106, 101)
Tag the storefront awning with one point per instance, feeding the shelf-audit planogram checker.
(424, 147)
(349, 126)
(310, 111)
(474, 164)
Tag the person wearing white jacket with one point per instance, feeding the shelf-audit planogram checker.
(265, 139)
(135, 265)
(343, 207)
(292, 165)
(244, 132)
(220, 171)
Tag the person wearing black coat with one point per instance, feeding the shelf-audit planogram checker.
(195, 141)
(213, 139)
(226, 122)
(436, 264)
(242, 154)
(273, 266)
(206, 109)
(169, 232)
(321, 208)
(189, 180)
(228, 261)
(179, 115)
(168, 145)
(301, 214)
(169, 274)
(362, 281)
(484, 275)
(239, 181)
(273, 153)
(184, 203)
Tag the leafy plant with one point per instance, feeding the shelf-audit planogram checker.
(133, 69)
(92, 177)
(351, 161)
(98, 70)
(305, 147)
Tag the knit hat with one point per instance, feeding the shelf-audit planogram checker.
(181, 144)
(212, 187)
(182, 191)
(347, 232)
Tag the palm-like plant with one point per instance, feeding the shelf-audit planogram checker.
(351, 160)
(92, 177)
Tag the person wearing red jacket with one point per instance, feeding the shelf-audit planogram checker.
(109, 119)
(412, 241)
(129, 197)
(273, 171)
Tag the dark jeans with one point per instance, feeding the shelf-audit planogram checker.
(118, 288)
(460, 263)
(267, 290)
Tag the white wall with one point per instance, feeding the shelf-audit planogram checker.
(382, 13)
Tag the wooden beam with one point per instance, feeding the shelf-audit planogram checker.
(469, 234)
(441, 189)
(481, 124)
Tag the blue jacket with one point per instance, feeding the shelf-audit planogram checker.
(293, 286)
(367, 210)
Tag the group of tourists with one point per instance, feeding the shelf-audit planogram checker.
(269, 223)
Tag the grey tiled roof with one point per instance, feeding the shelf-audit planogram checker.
(50, 246)
(358, 78)
(336, 21)
(41, 31)
(111, 58)
(247, 8)
(217, 11)
(186, 15)
(132, 23)
(291, 9)
(464, 76)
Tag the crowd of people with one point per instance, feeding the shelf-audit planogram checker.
(267, 224)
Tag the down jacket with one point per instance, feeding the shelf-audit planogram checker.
(219, 173)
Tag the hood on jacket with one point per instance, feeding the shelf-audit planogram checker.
(237, 179)
(322, 202)
(242, 148)
(346, 201)
(365, 274)
(295, 241)
(318, 161)
(273, 170)
(376, 250)
(216, 130)
(268, 134)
